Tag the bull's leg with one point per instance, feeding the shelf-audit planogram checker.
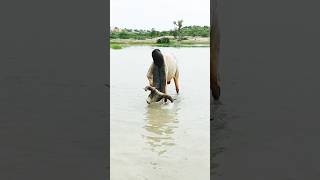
(214, 52)
(214, 80)
(165, 92)
(165, 87)
(176, 82)
(215, 87)
(150, 82)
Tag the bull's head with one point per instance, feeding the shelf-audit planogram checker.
(155, 95)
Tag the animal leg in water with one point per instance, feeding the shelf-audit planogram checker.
(176, 82)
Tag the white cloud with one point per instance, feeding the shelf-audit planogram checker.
(158, 14)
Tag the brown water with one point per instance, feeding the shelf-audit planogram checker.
(159, 141)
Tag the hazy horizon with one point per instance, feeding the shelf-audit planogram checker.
(154, 28)
(144, 14)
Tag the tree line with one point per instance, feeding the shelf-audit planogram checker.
(177, 33)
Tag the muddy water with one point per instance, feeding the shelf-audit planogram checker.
(159, 141)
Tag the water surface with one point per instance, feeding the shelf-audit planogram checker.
(159, 141)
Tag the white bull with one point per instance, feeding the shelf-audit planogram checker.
(163, 69)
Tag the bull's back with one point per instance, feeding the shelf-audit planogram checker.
(171, 66)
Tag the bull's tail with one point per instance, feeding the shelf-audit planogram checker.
(159, 78)
(159, 74)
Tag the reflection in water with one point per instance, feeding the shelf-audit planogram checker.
(161, 121)
(219, 115)
(218, 125)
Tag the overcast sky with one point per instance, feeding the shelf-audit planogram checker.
(158, 14)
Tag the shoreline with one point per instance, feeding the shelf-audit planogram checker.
(190, 42)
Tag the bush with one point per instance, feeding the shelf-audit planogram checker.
(124, 35)
(163, 40)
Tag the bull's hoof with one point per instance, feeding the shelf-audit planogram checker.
(216, 93)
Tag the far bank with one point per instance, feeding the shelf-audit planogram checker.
(172, 42)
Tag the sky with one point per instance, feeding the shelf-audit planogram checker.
(158, 14)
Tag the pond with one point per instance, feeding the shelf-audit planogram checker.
(162, 140)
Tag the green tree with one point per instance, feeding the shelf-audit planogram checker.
(153, 33)
(178, 25)
(124, 35)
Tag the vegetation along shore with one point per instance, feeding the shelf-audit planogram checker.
(188, 36)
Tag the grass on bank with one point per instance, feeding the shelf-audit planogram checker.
(116, 46)
(122, 43)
